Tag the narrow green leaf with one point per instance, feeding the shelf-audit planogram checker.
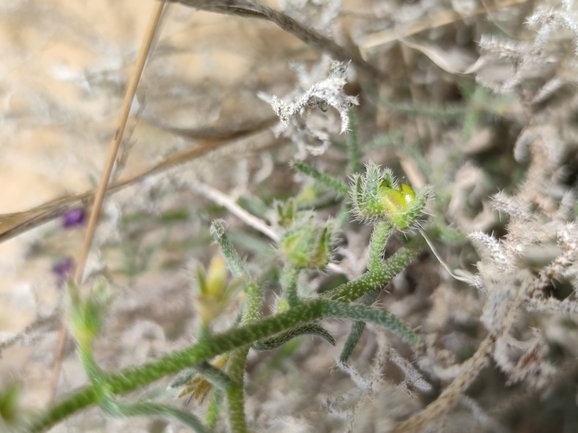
(381, 232)
(213, 374)
(339, 310)
(330, 182)
(281, 339)
(358, 327)
(234, 262)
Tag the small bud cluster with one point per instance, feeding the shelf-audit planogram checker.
(307, 243)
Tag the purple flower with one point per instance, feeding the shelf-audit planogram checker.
(73, 218)
(62, 270)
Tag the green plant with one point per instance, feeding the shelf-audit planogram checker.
(304, 244)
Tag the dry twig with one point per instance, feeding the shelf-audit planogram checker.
(105, 179)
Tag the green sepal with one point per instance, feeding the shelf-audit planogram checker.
(286, 212)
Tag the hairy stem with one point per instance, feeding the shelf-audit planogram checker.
(234, 262)
(214, 409)
(132, 378)
(370, 281)
(381, 233)
(235, 394)
(289, 284)
(254, 303)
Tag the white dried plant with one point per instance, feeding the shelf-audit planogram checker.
(375, 403)
(321, 88)
(511, 289)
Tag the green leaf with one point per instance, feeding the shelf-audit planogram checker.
(281, 339)
(357, 327)
(330, 182)
(339, 310)
(234, 262)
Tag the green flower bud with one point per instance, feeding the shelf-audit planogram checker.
(214, 290)
(377, 197)
(285, 213)
(307, 244)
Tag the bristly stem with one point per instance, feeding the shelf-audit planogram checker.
(289, 284)
(214, 409)
(381, 232)
(354, 289)
(236, 394)
(254, 303)
(132, 378)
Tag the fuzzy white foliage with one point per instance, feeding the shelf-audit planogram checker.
(413, 376)
(552, 305)
(359, 380)
(491, 249)
(549, 20)
(481, 416)
(327, 92)
(322, 93)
